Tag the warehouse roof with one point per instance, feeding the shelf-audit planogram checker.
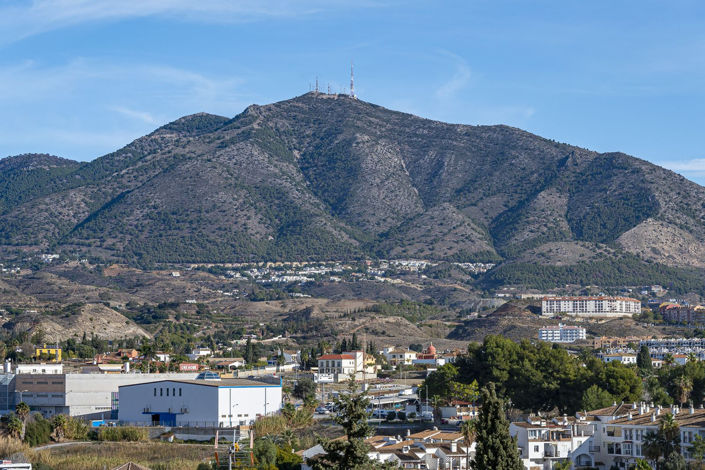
(216, 383)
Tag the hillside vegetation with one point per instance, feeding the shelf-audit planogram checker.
(328, 177)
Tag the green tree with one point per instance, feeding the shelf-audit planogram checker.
(439, 382)
(642, 464)
(15, 427)
(595, 398)
(643, 360)
(467, 429)
(697, 451)
(349, 453)
(22, 412)
(495, 449)
(562, 465)
(684, 385)
(304, 388)
(59, 423)
(674, 461)
(665, 441)
(265, 452)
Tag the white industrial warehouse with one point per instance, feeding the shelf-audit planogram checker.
(207, 401)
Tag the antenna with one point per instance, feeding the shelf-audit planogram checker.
(329, 88)
(352, 82)
(316, 85)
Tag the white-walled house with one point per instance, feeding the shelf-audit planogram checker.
(396, 356)
(200, 402)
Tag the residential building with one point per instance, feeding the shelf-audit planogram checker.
(396, 356)
(207, 401)
(604, 307)
(562, 333)
(199, 353)
(337, 367)
(542, 443)
(687, 314)
(51, 353)
(624, 358)
(431, 450)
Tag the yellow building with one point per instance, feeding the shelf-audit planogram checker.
(52, 354)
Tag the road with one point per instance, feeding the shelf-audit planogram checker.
(60, 444)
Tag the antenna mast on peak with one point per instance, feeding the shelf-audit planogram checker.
(352, 82)
(316, 85)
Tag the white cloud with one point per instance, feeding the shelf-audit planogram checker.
(132, 113)
(460, 78)
(22, 19)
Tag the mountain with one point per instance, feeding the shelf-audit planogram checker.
(329, 177)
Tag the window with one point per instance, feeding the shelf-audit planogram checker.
(536, 448)
(161, 392)
(179, 391)
(173, 392)
(167, 391)
(155, 391)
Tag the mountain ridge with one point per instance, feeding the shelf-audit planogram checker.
(325, 177)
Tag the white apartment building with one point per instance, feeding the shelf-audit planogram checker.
(562, 333)
(543, 443)
(618, 439)
(619, 357)
(605, 307)
(205, 402)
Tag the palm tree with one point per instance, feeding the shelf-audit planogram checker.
(684, 385)
(467, 429)
(59, 424)
(288, 438)
(22, 411)
(669, 433)
(15, 426)
(652, 447)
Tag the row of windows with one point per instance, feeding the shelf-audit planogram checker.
(161, 391)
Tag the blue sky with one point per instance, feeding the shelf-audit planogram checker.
(81, 78)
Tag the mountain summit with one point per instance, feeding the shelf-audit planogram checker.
(329, 177)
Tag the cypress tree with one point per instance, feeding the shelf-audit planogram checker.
(643, 359)
(496, 449)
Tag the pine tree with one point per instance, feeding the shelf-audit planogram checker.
(350, 453)
(496, 449)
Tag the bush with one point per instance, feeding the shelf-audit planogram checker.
(76, 429)
(38, 431)
(391, 416)
(127, 433)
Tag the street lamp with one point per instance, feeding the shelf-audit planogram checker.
(21, 392)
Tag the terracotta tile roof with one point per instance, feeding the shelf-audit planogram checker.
(335, 357)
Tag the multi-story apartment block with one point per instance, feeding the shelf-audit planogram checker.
(590, 306)
(562, 333)
(676, 313)
(543, 443)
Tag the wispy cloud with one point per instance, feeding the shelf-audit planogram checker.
(132, 113)
(459, 79)
(694, 164)
(21, 19)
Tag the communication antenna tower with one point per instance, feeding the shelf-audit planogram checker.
(352, 82)
(316, 85)
(329, 88)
